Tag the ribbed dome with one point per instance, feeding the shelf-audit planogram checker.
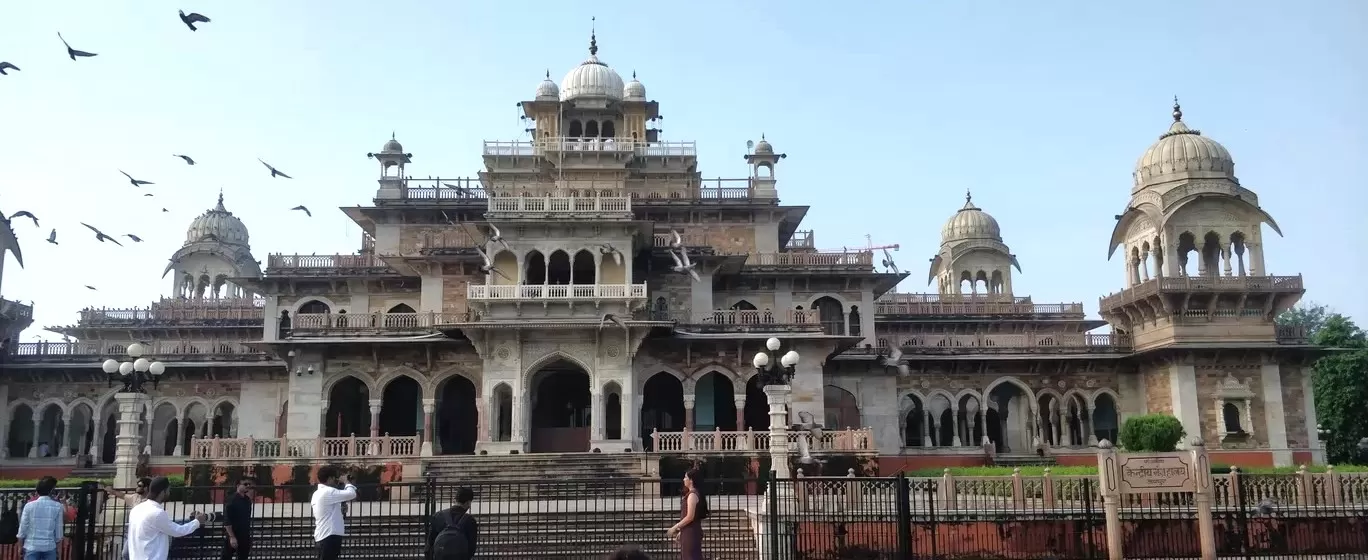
(391, 147)
(547, 90)
(634, 90)
(1183, 153)
(592, 78)
(218, 225)
(763, 147)
(970, 223)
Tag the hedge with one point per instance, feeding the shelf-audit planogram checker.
(30, 484)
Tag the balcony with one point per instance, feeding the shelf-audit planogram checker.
(689, 239)
(802, 239)
(326, 265)
(373, 324)
(1291, 334)
(1273, 285)
(560, 206)
(936, 304)
(529, 148)
(15, 311)
(165, 350)
(1063, 343)
(455, 191)
(861, 260)
(179, 312)
(549, 293)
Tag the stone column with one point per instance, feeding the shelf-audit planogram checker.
(126, 442)
(1144, 265)
(926, 429)
(1256, 258)
(1061, 428)
(597, 428)
(740, 404)
(180, 431)
(37, 434)
(1092, 433)
(429, 406)
(778, 397)
(1109, 477)
(689, 412)
(62, 450)
(1274, 420)
(956, 437)
(375, 418)
(1225, 257)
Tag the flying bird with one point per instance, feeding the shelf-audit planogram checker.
(52, 237)
(274, 172)
(611, 318)
(807, 424)
(894, 360)
(306, 210)
(25, 214)
(188, 159)
(73, 53)
(488, 265)
(889, 264)
(147, 194)
(191, 19)
(462, 191)
(100, 235)
(1266, 506)
(165, 210)
(136, 182)
(135, 238)
(7, 66)
(498, 237)
(677, 242)
(607, 249)
(91, 288)
(683, 266)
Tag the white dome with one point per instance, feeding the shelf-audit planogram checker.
(970, 223)
(634, 90)
(547, 90)
(1183, 153)
(763, 147)
(592, 78)
(217, 225)
(392, 147)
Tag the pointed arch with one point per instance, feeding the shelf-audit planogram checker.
(1092, 398)
(1244, 204)
(332, 307)
(691, 380)
(403, 371)
(336, 378)
(1130, 216)
(1018, 383)
(551, 357)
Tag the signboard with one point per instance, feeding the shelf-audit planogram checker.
(1149, 473)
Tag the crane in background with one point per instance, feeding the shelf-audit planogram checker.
(870, 247)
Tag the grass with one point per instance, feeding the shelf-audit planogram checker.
(1088, 470)
(30, 484)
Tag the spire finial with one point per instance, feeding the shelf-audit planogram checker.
(1177, 110)
(548, 73)
(392, 135)
(220, 207)
(593, 36)
(633, 74)
(968, 197)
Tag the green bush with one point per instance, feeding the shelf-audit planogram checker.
(1151, 433)
(177, 481)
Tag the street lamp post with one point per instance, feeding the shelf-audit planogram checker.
(132, 400)
(776, 375)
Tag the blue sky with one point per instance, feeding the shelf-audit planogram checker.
(889, 111)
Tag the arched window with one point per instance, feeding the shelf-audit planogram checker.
(831, 315)
(1230, 413)
(608, 130)
(842, 410)
(576, 130)
(314, 306)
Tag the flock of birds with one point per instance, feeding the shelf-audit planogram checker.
(189, 20)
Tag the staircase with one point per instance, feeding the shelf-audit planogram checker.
(546, 476)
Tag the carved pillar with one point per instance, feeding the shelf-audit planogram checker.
(926, 430)
(61, 435)
(740, 413)
(1201, 260)
(429, 406)
(955, 437)
(1225, 257)
(126, 442)
(37, 434)
(1061, 427)
(519, 419)
(597, 429)
(180, 431)
(375, 418)
(1256, 258)
(689, 412)
(1144, 264)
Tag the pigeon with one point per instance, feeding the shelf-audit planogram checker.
(91, 288)
(677, 242)
(274, 172)
(894, 360)
(683, 266)
(165, 210)
(498, 237)
(191, 19)
(611, 318)
(814, 433)
(7, 66)
(135, 238)
(607, 249)
(25, 214)
(136, 182)
(1266, 506)
(488, 265)
(100, 235)
(306, 210)
(464, 192)
(52, 237)
(889, 264)
(148, 194)
(188, 159)
(73, 53)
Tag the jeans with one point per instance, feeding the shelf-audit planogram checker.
(40, 555)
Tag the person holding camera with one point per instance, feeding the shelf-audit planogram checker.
(237, 521)
(327, 501)
(150, 529)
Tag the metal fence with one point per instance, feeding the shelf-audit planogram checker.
(806, 518)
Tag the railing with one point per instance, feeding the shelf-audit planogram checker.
(688, 238)
(471, 190)
(864, 258)
(759, 317)
(228, 449)
(516, 292)
(802, 239)
(209, 312)
(166, 350)
(14, 310)
(1203, 284)
(380, 322)
(436, 188)
(280, 264)
(832, 441)
(639, 148)
(1291, 334)
(1303, 488)
(560, 204)
(1039, 341)
(936, 304)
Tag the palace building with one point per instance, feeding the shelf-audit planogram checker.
(590, 291)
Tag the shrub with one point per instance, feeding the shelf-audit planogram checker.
(1151, 432)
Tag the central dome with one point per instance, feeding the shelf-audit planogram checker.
(217, 225)
(592, 79)
(1183, 153)
(970, 223)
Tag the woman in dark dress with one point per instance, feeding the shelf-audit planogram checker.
(693, 509)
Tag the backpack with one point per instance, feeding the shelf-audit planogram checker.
(451, 543)
(9, 525)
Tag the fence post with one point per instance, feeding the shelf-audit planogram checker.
(1332, 486)
(82, 532)
(1304, 487)
(947, 490)
(1047, 489)
(429, 509)
(1109, 483)
(903, 495)
(774, 513)
(852, 488)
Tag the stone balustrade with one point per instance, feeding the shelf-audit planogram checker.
(923, 343)
(967, 304)
(278, 264)
(164, 350)
(859, 440)
(500, 148)
(472, 191)
(179, 311)
(555, 292)
(851, 259)
(379, 322)
(559, 205)
(228, 449)
(1189, 284)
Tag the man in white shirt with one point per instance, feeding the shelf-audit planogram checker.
(327, 501)
(150, 529)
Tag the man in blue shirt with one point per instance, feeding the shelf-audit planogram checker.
(40, 524)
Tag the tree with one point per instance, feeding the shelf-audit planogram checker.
(1311, 316)
(1151, 432)
(1340, 382)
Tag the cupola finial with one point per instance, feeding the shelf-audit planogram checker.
(968, 196)
(548, 73)
(220, 207)
(593, 36)
(1177, 110)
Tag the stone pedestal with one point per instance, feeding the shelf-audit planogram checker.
(778, 398)
(126, 448)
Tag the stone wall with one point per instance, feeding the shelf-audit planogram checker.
(1210, 379)
(1158, 390)
(1294, 386)
(456, 279)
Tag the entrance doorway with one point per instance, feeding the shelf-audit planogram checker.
(662, 407)
(457, 422)
(560, 409)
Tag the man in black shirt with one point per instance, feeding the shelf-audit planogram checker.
(237, 521)
(452, 532)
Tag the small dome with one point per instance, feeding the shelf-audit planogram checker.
(763, 147)
(634, 90)
(218, 225)
(592, 78)
(970, 223)
(1183, 153)
(392, 146)
(547, 90)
